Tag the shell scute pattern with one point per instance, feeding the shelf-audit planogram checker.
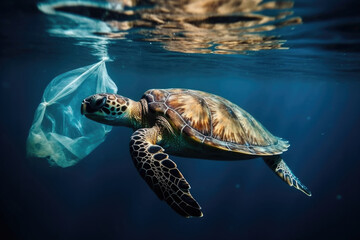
(196, 116)
(214, 121)
(159, 96)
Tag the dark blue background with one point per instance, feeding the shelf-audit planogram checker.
(309, 95)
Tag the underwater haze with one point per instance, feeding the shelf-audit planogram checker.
(293, 65)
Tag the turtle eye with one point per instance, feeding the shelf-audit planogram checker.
(100, 101)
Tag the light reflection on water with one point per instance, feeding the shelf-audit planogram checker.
(196, 26)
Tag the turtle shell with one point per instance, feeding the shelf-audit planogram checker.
(214, 121)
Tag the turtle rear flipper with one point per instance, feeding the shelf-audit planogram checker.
(277, 164)
(161, 173)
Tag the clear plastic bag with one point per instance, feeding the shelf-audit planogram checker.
(59, 132)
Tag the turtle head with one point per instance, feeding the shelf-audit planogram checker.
(110, 109)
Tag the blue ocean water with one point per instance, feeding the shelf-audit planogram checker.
(307, 93)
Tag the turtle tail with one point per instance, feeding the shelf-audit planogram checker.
(277, 164)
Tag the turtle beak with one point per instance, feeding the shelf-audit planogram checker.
(84, 104)
(83, 108)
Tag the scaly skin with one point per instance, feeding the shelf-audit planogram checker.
(161, 173)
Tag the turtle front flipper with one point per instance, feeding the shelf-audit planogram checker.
(277, 164)
(161, 173)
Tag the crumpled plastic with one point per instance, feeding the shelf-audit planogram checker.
(59, 132)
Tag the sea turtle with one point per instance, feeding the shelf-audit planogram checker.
(187, 123)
